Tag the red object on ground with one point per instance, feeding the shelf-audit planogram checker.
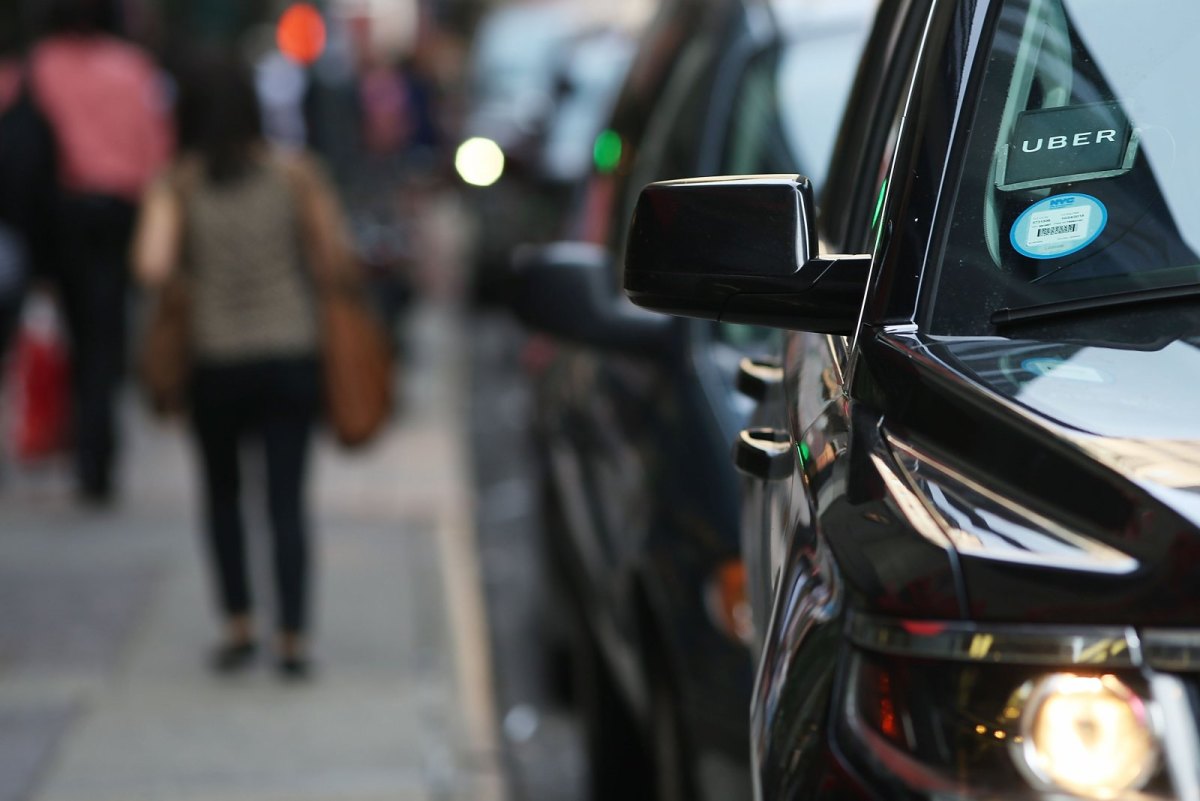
(41, 398)
(301, 33)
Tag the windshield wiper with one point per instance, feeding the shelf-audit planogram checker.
(1063, 308)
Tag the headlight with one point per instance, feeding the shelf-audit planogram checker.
(1088, 735)
(949, 712)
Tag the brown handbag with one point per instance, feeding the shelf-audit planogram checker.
(356, 355)
(165, 361)
(356, 361)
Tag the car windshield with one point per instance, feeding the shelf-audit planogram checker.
(1079, 179)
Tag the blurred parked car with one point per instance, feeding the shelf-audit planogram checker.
(510, 93)
(635, 418)
(982, 505)
(511, 71)
(540, 85)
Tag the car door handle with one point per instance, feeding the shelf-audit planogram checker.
(757, 375)
(763, 453)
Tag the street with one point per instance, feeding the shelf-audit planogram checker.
(542, 739)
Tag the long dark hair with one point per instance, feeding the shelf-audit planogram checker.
(218, 114)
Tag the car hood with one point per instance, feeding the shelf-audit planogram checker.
(1073, 472)
(1131, 410)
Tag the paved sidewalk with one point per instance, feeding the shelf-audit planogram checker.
(105, 619)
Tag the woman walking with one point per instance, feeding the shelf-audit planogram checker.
(251, 231)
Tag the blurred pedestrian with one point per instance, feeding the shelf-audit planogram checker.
(27, 178)
(422, 100)
(106, 103)
(246, 226)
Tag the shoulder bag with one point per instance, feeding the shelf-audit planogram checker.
(356, 356)
(164, 363)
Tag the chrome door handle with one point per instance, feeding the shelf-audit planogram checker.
(757, 375)
(763, 453)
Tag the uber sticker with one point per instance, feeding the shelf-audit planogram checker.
(1058, 226)
(1070, 143)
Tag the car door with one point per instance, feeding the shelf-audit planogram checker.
(796, 665)
(789, 107)
(618, 435)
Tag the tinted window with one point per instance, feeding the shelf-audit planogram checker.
(657, 58)
(815, 78)
(790, 103)
(672, 142)
(785, 119)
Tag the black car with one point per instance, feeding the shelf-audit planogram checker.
(635, 416)
(510, 102)
(980, 486)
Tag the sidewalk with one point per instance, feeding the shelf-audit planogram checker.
(105, 620)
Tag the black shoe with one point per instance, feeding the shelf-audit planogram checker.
(233, 657)
(295, 668)
(96, 495)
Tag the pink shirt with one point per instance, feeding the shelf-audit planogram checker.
(106, 103)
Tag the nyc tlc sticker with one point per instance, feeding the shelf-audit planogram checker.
(1058, 226)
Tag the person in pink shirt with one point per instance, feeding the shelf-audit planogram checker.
(105, 100)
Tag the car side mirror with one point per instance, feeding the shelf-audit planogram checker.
(567, 289)
(742, 250)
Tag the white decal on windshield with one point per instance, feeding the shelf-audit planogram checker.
(1058, 226)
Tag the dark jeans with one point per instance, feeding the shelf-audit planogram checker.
(10, 316)
(94, 278)
(276, 402)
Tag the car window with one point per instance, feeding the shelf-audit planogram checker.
(599, 217)
(815, 77)
(673, 136)
(671, 150)
(755, 143)
(1078, 178)
(789, 104)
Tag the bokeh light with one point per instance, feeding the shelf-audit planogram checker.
(479, 161)
(607, 151)
(301, 33)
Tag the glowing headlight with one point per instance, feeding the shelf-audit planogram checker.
(1087, 735)
(480, 162)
